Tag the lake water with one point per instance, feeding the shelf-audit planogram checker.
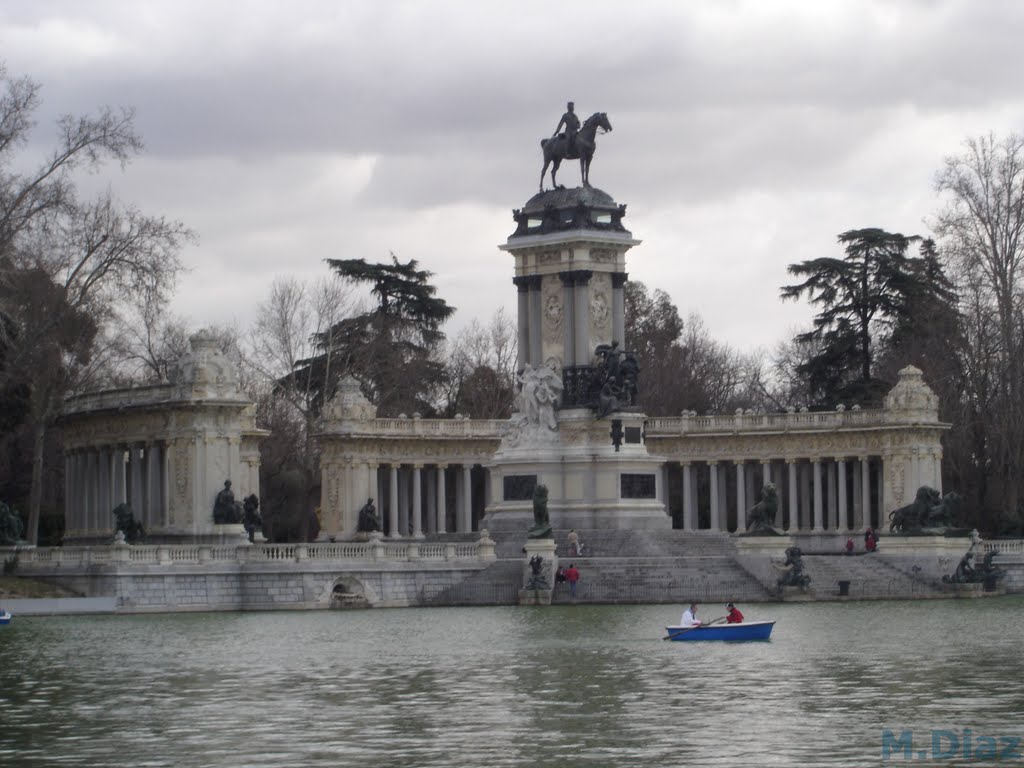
(561, 686)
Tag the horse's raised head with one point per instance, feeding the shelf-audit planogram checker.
(599, 120)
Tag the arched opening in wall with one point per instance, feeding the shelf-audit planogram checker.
(348, 592)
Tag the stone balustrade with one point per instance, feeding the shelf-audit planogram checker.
(764, 422)
(51, 559)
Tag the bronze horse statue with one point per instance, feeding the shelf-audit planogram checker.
(556, 150)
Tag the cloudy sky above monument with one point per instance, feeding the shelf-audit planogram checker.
(747, 135)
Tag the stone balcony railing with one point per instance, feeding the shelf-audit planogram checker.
(375, 550)
(764, 422)
(416, 427)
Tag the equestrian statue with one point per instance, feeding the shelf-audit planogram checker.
(577, 143)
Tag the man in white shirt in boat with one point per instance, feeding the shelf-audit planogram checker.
(690, 619)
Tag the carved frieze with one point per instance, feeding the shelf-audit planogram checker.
(553, 321)
(600, 289)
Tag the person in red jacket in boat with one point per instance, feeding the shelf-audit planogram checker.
(734, 616)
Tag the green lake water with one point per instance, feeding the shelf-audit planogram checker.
(562, 686)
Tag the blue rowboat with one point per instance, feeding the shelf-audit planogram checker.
(750, 630)
(5, 616)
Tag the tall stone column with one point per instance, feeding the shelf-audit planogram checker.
(741, 497)
(417, 501)
(830, 496)
(135, 478)
(568, 318)
(865, 492)
(619, 307)
(442, 511)
(844, 517)
(69, 484)
(467, 498)
(372, 490)
(119, 491)
(431, 525)
(154, 483)
(688, 498)
(92, 495)
(794, 515)
(523, 291)
(715, 514)
(103, 475)
(536, 335)
(393, 501)
(816, 472)
(403, 502)
(582, 312)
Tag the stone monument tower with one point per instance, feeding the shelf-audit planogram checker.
(577, 428)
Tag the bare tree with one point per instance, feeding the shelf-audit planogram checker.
(482, 369)
(93, 254)
(982, 234)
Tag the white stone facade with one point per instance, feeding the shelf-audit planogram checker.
(165, 449)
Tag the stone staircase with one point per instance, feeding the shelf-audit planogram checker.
(870, 577)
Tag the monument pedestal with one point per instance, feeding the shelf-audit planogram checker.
(592, 484)
(537, 589)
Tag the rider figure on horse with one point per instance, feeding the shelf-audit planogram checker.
(572, 126)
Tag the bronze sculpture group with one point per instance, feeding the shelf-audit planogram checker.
(761, 516)
(793, 570)
(541, 523)
(227, 511)
(929, 511)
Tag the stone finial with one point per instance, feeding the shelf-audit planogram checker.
(911, 399)
(205, 372)
(349, 404)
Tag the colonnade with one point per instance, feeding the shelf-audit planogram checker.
(814, 494)
(412, 499)
(99, 478)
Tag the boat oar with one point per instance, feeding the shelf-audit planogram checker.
(690, 629)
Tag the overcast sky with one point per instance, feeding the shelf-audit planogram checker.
(747, 135)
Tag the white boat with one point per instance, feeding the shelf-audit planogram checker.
(5, 616)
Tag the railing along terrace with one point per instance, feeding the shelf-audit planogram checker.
(417, 427)
(43, 558)
(754, 422)
(121, 398)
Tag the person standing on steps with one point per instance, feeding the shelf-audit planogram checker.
(572, 576)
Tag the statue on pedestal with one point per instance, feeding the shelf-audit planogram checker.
(541, 523)
(793, 570)
(125, 522)
(11, 528)
(251, 515)
(368, 521)
(761, 517)
(227, 511)
(538, 579)
(572, 144)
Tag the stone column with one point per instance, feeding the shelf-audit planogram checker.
(937, 470)
(394, 531)
(830, 495)
(523, 290)
(688, 498)
(816, 472)
(92, 493)
(154, 483)
(536, 337)
(715, 522)
(403, 501)
(442, 512)
(865, 492)
(431, 522)
(794, 512)
(119, 491)
(582, 321)
(372, 491)
(844, 517)
(105, 507)
(467, 498)
(741, 498)
(568, 318)
(69, 484)
(417, 502)
(135, 479)
(619, 307)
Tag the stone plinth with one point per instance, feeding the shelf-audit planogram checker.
(545, 548)
(795, 595)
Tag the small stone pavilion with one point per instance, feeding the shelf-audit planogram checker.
(165, 449)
